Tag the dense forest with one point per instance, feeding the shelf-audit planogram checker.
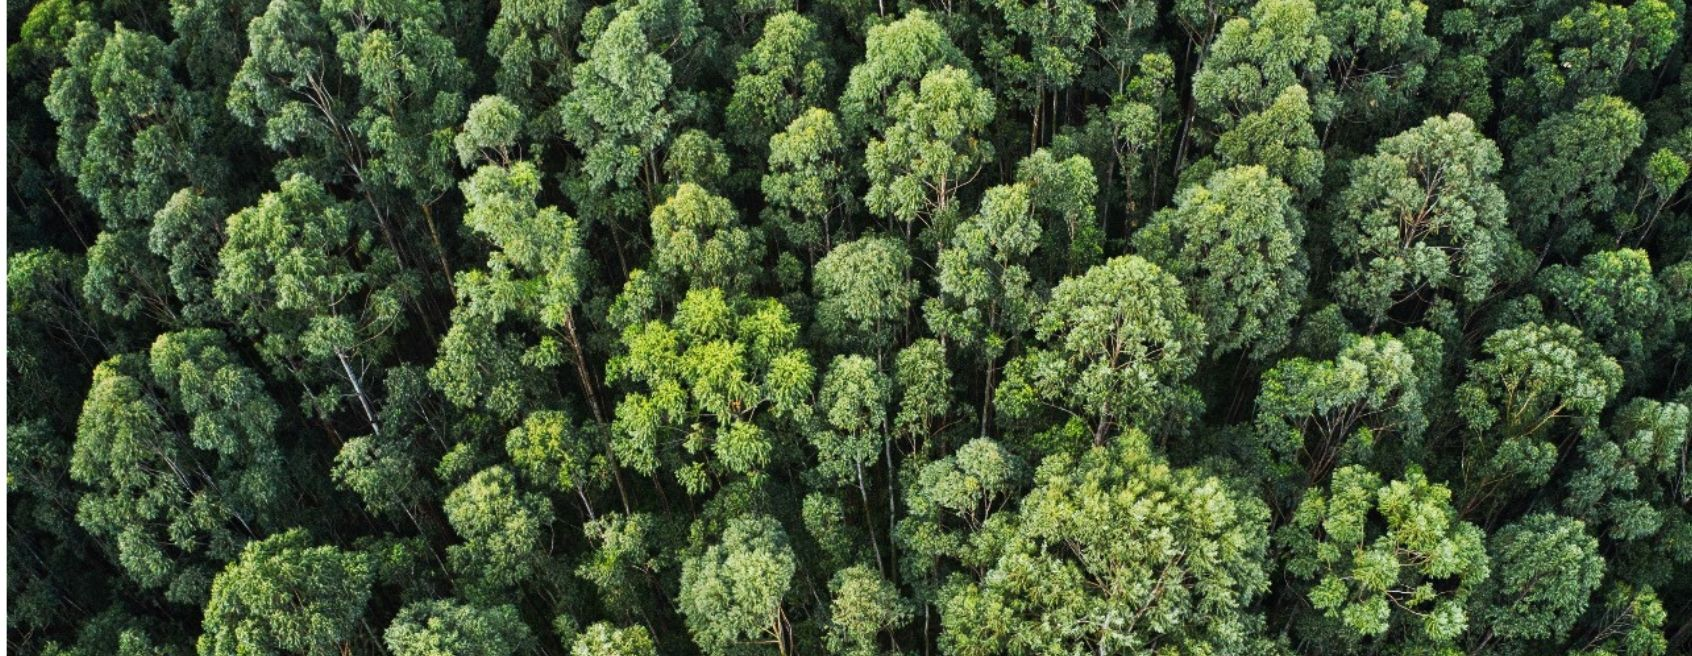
(859, 327)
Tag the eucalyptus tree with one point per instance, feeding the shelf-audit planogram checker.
(301, 273)
(1236, 245)
(1113, 349)
(932, 149)
(733, 594)
(1383, 563)
(897, 56)
(364, 93)
(988, 297)
(1547, 569)
(1254, 57)
(178, 450)
(504, 529)
(1036, 54)
(618, 112)
(807, 188)
(1113, 550)
(1360, 408)
(865, 292)
(782, 76)
(710, 388)
(285, 596)
(1424, 219)
(1565, 172)
(440, 626)
(518, 317)
(129, 134)
(1524, 407)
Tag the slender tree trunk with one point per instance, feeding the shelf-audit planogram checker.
(869, 520)
(358, 389)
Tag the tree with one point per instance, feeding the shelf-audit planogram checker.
(731, 594)
(698, 158)
(128, 132)
(1614, 298)
(864, 293)
(1365, 403)
(932, 149)
(602, 639)
(897, 56)
(1062, 192)
(628, 554)
(1140, 123)
(443, 627)
(1547, 570)
(535, 278)
(177, 448)
(807, 189)
(1112, 551)
(1591, 49)
(366, 92)
(302, 275)
(864, 606)
(1542, 387)
(922, 383)
(502, 527)
(532, 45)
(954, 498)
(284, 596)
(1235, 244)
(1115, 346)
(1566, 170)
(987, 295)
(1037, 53)
(1279, 138)
(780, 77)
(1624, 482)
(1381, 56)
(1423, 218)
(1389, 563)
(617, 112)
(711, 386)
(852, 408)
(1253, 59)
(698, 241)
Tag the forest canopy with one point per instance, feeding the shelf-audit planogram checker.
(848, 327)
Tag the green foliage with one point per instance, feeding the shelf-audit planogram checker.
(864, 293)
(1423, 218)
(603, 639)
(1115, 551)
(1279, 44)
(503, 530)
(176, 448)
(778, 79)
(930, 152)
(1384, 562)
(1542, 387)
(731, 594)
(806, 187)
(864, 605)
(862, 327)
(1235, 245)
(711, 386)
(284, 596)
(1367, 401)
(1115, 346)
(447, 628)
(1566, 170)
(1547, 570)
